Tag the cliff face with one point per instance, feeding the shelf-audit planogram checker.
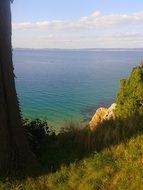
(102, 114)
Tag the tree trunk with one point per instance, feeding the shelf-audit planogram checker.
(15, 153)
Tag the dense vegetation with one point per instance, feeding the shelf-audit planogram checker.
(130, 95)
(111, 157)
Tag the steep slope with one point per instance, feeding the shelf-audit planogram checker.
(117, 168)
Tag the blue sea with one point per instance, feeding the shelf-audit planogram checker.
(64, 85)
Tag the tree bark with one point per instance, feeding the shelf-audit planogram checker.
(15, 153)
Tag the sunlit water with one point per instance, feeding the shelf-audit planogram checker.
(62, 85)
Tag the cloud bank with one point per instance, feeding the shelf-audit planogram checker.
(93, 31)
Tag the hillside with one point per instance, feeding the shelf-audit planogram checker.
(116, 168)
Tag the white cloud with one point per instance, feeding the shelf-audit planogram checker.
(95, 30)
(94, 20)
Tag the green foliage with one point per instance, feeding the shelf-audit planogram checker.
(38, 133)
(74, 142)
(130, 95)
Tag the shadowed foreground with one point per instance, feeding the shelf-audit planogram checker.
(111, 157)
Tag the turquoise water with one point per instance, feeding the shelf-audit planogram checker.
(62, 85)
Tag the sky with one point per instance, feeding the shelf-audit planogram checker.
(77, 24)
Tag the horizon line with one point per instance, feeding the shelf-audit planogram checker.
(76, 48)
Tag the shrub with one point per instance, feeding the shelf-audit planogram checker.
(130, 95)
(39, 134)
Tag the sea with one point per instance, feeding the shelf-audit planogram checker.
(62, 85)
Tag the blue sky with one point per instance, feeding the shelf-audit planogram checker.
(77, 23)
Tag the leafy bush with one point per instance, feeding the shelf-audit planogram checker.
(130, 95)
(39, 134)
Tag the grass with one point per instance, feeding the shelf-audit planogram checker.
(119, 167)
(109, 158)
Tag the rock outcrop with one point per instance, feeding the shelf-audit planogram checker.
(102, 114)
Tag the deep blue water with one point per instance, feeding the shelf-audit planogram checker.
(62, 85)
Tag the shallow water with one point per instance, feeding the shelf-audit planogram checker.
(62, 85)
